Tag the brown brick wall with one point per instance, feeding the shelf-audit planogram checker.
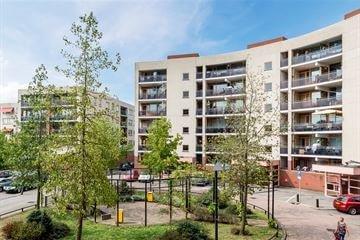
(309, 180)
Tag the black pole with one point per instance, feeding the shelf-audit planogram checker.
(186, 198)
(268, 199)
(95, 211)
(189, 195)
(117, 202)
(272, 199)
(111, 173)
(216, 206)
(145, 203)
(170, 198)
(317, 203)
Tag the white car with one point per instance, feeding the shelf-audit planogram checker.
(145, 178)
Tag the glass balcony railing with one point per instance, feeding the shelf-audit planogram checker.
(152, 78)
(199, 75)
(320, 150)
(199, 93)
(199, 148)
(317, 54)
(283, 150)
(152, 113)
(284, 62)
(335, 75)
(142, 130)
(225, 91)
(225, 72)
(61, 117)
(217, 130)
(198, 111)
(153, 96)
(307, 127)
(321, 102)
(284, 84)
(198, 129)
(284, 106)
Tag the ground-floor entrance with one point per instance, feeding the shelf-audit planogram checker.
(336, 184)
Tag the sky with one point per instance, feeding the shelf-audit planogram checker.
(31, 32)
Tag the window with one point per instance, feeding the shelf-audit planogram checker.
(185, 112)
(185, 130)
(185, 76)
(268, 87)
(185, 94)
(267, 107)
(185, 148)
(268, 128)
(267, 66)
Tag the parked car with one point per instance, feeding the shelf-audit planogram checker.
(14, 188)
(4, 182)
(131, 177)
(5, 174)
(347, 203)
(126, 166)
(145, 177)
(201, 182)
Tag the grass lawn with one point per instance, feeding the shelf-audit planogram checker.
(94, 231)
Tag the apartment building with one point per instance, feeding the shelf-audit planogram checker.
(316, 80)
(8, 118)
(122, 113)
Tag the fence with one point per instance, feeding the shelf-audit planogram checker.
(17, 210)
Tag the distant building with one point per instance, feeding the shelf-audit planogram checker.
(8, 118)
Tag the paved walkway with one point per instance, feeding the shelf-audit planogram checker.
(305, 221)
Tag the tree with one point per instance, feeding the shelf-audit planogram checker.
(162, 147)
(3, 152)
(28, 147)
(251, 134)
(86, 149)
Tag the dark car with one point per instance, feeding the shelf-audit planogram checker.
(201, 182)
(5, 174)
(4, 182)
(126, 166)
(348, 204)
(15, 188)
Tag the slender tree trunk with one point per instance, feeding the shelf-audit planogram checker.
(79, 227)
(38, 195)
(244, 206)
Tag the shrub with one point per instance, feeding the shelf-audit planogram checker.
(11, 228)
(186, 230)
(42, 218)
(235, 231)
(206, 199)
(60, 230)
(30, 231)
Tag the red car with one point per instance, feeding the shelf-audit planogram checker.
(132, 177)
(348, 203)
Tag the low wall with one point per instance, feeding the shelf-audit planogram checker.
(309, 180)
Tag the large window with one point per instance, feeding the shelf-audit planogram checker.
(185, 94)
(267, 66)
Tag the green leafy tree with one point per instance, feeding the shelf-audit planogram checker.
(28, 147)
(3, 150)
(162, 147)
(87, 148)
(247, 146)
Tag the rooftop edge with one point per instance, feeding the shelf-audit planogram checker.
(266, 42)
(187, 55)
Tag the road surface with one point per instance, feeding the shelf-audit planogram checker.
(9, 202)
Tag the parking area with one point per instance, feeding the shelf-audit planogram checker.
(305, 221)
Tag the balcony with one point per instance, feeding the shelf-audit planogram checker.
(198, 148)
(218, 130)
(153, 96)
(199, 75)
(225, 91)
(199, 93)
(306, 127)
(61, 102)
(284, 84)
(61, 117)
(152, 113)
(335, 75)
(225, 72)
(284, 106)
(198, 129)
(199, 111)
(25, 103)
(152, 78)
(284, 62)
(317, 54)
(321, 102)
(215, 111)
(320, 150)
(283, 150)
(142, 148)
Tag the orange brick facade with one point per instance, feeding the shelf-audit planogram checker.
(309, 180)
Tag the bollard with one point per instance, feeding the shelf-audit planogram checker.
(297, 198)
(317, 203)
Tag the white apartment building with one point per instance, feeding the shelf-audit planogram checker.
(8, 118)
(316, 78)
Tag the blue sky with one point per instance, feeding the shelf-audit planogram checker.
(31, 32)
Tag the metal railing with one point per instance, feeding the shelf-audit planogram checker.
(152, 78)
(142, 148)
(215, 111)
(225, 91)
(335, 75)
(321, 102)
(225, 72)
(217, 130)
(198, 111)
(142, 130)
(320, 150)
(199, 93)
(284, 106)
(199, 130)
(283, 150)
(198, 148)
(284, 84)
(17, 210)
(152, 96)
(152, 113)
(304, 127)
(317, 54)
